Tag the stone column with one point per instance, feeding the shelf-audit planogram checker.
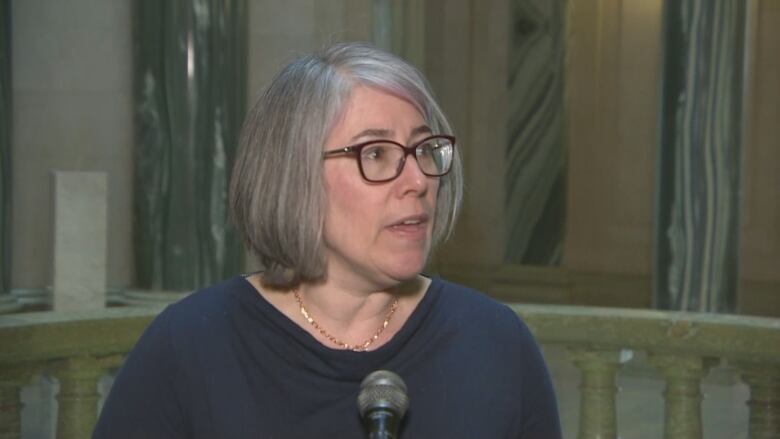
(699, 167)
(399, 26)
(190, 91)
(683, 376)
(535, 179)
(12, 379)
(764, 403)
(597, 391)
(78, 396)
(382, 22)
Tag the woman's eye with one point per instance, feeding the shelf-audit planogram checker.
(427, 148)
(373, 153)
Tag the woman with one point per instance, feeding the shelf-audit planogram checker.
(346, 176)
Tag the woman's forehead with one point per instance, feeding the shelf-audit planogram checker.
(375, 107)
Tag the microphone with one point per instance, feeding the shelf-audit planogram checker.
(382, 402)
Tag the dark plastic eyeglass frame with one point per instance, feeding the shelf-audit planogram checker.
(408, 150)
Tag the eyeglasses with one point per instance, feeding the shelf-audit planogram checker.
(383, 160)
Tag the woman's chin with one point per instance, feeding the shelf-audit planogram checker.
(406, 270)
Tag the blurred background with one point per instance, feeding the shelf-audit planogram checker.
(618, 153)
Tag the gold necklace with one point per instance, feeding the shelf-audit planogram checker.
(357, 347)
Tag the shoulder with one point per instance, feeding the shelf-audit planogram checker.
(153, 394)
(505, 347)
(495, 350)
(461, 295)
(203, 314)
(208, 303)
(217, 295)
(479, 311)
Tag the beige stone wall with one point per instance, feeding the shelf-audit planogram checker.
(72, 98)
(613, 99)
(760, 227)
(280, 30)
(467, 69)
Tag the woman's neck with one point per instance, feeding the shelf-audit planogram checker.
(351, 315)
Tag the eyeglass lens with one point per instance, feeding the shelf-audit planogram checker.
(384, 161)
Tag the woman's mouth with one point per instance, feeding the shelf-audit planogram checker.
(414, 227)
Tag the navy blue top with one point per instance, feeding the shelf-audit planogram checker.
(224, 363)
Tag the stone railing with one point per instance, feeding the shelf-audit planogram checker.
(681, 346)
(79, 348)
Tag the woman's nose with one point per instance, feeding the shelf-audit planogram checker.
(412, 177)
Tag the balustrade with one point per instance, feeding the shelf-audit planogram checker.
(681, 346)
(764, 403)
(78, 396)
(78, 348)
(597, 391)
(683, 374)
(12, 379)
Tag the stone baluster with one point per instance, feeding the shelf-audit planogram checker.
(597, 391)
(12, 379)
(764, 403)
(78, 396)
(683, 374)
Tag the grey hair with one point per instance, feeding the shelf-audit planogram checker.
(277, 195)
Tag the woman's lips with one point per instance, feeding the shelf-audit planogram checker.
(411, 227)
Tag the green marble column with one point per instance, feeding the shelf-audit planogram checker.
(399, 26)
(190, 97)
(383, 23)
(536, 153)
(699, 157)
(6, 120)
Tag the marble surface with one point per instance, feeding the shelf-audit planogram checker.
(80, 240)
(190, 70)
(699, 176)
(536, 153)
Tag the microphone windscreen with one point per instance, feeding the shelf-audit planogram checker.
(383, 389)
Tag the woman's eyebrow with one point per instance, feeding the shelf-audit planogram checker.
(386, 133)
(422, 129)
(372, 132)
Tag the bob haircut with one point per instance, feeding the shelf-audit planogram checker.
(277, 195)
